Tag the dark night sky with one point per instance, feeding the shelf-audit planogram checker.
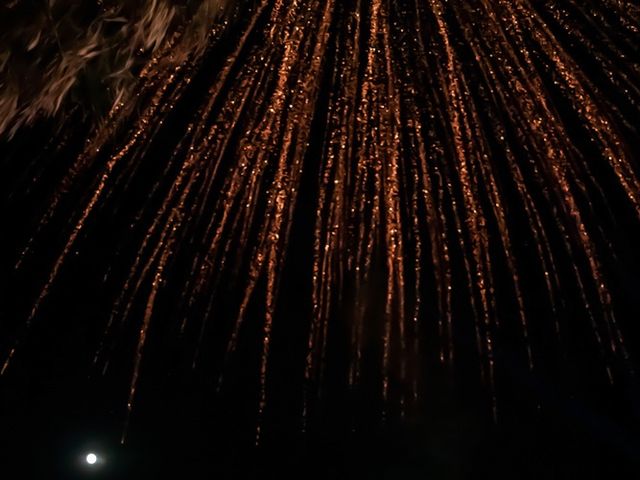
(563, 420)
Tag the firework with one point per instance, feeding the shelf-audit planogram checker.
(448, 144)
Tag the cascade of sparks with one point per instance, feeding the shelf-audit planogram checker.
(449, 143)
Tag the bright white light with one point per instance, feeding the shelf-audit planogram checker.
(92, 458)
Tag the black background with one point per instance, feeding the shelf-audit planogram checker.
(563, 420)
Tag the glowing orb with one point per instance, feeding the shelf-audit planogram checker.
(91, 458)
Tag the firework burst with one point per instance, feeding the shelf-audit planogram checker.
(459, 164)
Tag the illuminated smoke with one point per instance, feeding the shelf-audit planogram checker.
(63, 47)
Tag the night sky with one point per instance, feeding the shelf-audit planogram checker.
(387, 239)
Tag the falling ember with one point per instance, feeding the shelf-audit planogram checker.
(439, 146)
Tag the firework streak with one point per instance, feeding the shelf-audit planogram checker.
(457, 150)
